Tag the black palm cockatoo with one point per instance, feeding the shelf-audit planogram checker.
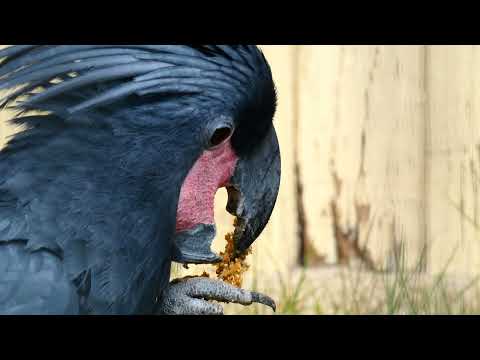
(114, 174)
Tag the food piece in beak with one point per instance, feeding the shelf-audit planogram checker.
(253, 191)
(232, 266)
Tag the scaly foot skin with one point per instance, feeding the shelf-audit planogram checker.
(190, 296)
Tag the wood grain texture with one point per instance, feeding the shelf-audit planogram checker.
(453, 158)
(361, 147)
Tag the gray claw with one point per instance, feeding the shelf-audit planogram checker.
(189, 296)
(263, 299)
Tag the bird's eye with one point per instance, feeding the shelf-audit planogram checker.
(220, 135)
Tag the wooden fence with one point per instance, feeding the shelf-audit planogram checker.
(380, 157)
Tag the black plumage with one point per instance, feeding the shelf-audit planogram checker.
(89, 189)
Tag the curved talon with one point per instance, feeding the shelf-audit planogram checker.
(211, 289)
(192, 296)
(263, 299)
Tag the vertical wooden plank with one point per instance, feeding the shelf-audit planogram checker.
(453, 158)
(277, 248)
(361, 149)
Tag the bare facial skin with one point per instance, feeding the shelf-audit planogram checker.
(190, 296)
(211, 172)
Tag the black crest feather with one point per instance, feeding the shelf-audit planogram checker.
(43, 76)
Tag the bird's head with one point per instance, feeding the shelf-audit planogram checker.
(206, 111)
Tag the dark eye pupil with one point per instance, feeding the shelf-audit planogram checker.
(219, 136)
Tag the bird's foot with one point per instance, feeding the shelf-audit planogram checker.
(192, 296)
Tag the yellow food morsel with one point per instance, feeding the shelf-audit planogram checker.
(231, 269)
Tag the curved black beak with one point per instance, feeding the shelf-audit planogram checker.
(253, 191)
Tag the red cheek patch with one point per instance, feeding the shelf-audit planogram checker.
(213, 170)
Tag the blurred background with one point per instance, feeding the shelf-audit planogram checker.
(379, 210)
